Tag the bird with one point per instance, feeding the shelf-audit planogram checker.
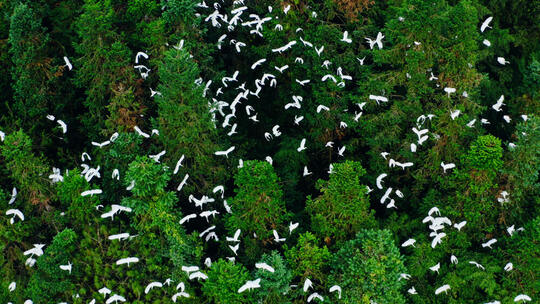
(292, 226)
(322, 107)
(508, 267)
(307, 285)
(15, 213)
(485, 24)
(141, 133)
(257, 63)
(276, 236)
(315, 295)
(66, 267)
(447, 166)
(226, 152)
(377, 41)
(104, 291)
(489, 243)
(437, 239)
(68, 64)
(139, 54)
(378, 98)
(152, 285)
(250, 285)
(443, 288)
(345, 37)
(37, 250)
(361, 60)
(91, 192)
(302, 146)
(453, 259)
(502, 61)
(264, 266)
(412, 291)
(198, 275)
(120, 236)
(336, 288)
(183, 182)
(187, 218)
(380, 179)
(234, 248)
(522, 298)
(235, 236)
(409, 242)
(127, 261)
(306, 171)
(497, 106)
(435, 268)
(319, 50)
(460, 225)
(12, 286)
(434, 210)
(449, 90)
(115, 298)
(178, 164)
(189, 269)
(341, 151)
(477, 265)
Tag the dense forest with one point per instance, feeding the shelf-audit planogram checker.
(336, 151)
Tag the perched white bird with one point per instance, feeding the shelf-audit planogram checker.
(453, 259)
(12, 286)
(412, 290)
(140, 132)
(315, 295)
(198, 275)
(377, 41)
(380, 179)
(449, 90)
(257, 63)
(378, 98)
(508, 267)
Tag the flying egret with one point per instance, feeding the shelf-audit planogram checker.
(276, 236)
(115, 298)
(13, 196)
(235, 237)
(226, 152)
(120, 236)
(15, 213)
(91, 192)
(497, 106)
(198, 275)
(307, 285)
(68, 64)
(151, 286)
(522, 298)
(67, 267)
(336, 288)
(345, 38)
(485, 24)
(489, 243)
(315, 295)
(139, 54)
(449, 90)
(127, 261)
(292, 226)
(380, 179)
(264, 266)
(409, 242)
(460, 225)
(302, 146)
(435, 268)
(443, 288)
(478, 265)
(250, 285)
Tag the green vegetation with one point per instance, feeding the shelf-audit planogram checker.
(337, 151)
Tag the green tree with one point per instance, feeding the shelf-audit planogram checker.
(274, 285)
(32, 69)
(50, 283)
(307, 259)
(258, 205)
(224, 280)
(368, 267)
(343, 207)
(184, 121)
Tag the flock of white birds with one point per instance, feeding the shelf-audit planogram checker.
(227, 112)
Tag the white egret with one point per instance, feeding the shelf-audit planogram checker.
(127, 261)
(264, 266)
(250, 285)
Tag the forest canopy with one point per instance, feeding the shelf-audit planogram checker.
(213, 151)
